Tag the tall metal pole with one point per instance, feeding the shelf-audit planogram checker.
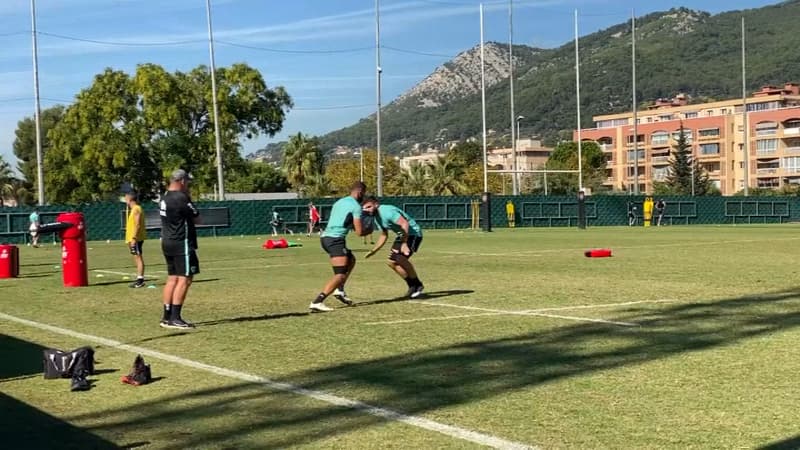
(514, 179)
(483, 109)
(578, 100)
(635, 107)
(745, 136)
(378, 72)
(361, 165)
(37, 108)
(217, 143)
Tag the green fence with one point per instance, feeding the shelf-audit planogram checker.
(104, 220)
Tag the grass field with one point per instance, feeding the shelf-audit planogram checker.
(686, 338)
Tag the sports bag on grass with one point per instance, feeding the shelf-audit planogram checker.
(60, 364)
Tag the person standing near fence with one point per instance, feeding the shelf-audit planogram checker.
(34, 227)
(661, 206)
(179, 244)
(510, 214)
(135, 235)
(313, 218)
(345, 216)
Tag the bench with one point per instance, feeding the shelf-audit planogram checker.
(764, 211)
(213, 218)
(548, 213)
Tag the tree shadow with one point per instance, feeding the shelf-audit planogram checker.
(792, 443)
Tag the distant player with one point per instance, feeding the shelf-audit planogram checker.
(34, 227)
(407, 242)
(345, 216)
(179, 244)
(313, 218)
(661, 206)
(135, 235)
(510, 215)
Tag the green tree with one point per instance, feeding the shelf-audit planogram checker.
(138, 128)
(302, 161)
(342, 172)
(446, 177)
(416, 180)
(259, 177)
(466, 153)
(25, 141)
(685, 174)
(6, 181)
(565, 157)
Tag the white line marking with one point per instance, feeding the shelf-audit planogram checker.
(385, 413)
(424, 319)
(603, 305)
(112, 272)
(529, 313)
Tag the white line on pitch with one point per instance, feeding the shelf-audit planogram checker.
(603, 305)
(384, 413)
(529, 313)
(112, 272)
(424, 319)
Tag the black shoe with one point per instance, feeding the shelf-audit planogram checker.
(417, 291)
(179, 324)
(80, 383)
(139, 283)
(163, 323)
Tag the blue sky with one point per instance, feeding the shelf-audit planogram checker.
(330, 90)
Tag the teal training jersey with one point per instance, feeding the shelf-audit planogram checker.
(340, 221)
(387, 220)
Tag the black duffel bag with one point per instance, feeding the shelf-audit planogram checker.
(60, 364)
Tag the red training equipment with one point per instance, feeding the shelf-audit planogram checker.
(9, 261)
(598, 253)
(275, 243)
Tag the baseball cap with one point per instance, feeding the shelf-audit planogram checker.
(180, 175)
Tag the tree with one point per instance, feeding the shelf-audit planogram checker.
(565, 157)
(416, 180)
(446, 177)
(6, 181)
(302, 161)
(342, 172)
(25, 141)
(685, 177)
(259, 177)
(139, 128)
(466, 153)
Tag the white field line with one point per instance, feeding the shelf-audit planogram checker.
(113, 272)
(603, 305)
(425, 319)
(384, 413)
(628, 247)
(529, 313)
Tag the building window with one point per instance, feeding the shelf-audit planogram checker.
(766, 128)
(791, 164)
(762, 106)
(709, 149)
(665, 117)
(690, 115)
(724, 111)
(639, 138)
(660, 173)
(686, 132)
(632, 155)
(766, 146)
(710, 112)
(708, 133)
(659, 138)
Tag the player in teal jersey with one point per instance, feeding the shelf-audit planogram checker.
(407, 242)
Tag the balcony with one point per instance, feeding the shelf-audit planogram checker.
(606, 147)
(768, 171)
(791, 131)
(792, 149)
(791, 170)
(659, 159)
(766, 153)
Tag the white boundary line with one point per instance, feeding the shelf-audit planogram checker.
(113, 272)
(529, 313)
(603, 305)
(425, 319)
(384, 413)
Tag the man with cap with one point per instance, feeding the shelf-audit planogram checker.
(345, 216)
(179, 244)
(135, 235)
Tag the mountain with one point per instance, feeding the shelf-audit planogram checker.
(678, 51)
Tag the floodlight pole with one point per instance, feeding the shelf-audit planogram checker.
(37, 112)
(578, 100)
(635, 106)
(378, 72)
(217, 140)
(745, 136)
(483, 108)
(514, 178)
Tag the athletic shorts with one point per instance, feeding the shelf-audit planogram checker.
(335, 246)
(413, 243)
(136, 248)
(183, 265)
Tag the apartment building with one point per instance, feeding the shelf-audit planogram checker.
(715, 132)
(531, 155)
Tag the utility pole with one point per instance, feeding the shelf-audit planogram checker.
(37, 112)
(378, 72)
(217, 143)
(635, 107)
(515, 178)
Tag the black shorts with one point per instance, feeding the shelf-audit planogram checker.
(183, 265)
(335, 247)
(413, 244)
(136, 248)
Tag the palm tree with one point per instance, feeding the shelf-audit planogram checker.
(447, 177)
(6, 181)
(302, 161)
(317, 186)
(416, 180)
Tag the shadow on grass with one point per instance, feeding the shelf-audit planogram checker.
(24, 426)
(435, 378)
(792, 443)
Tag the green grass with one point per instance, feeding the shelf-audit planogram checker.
(710, 362)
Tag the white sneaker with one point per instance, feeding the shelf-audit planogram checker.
(319, 307)
(342, 297)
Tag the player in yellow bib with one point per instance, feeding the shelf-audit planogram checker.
(135, 234)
